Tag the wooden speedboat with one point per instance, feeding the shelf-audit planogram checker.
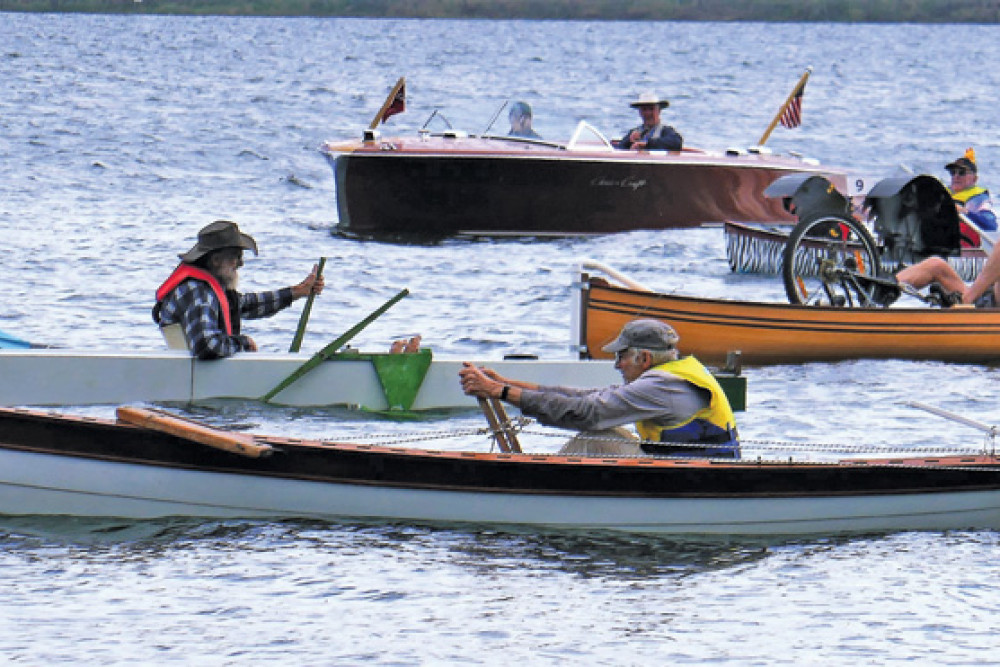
(60, 465)
(767, 333)
(374, 381)
(453, 183)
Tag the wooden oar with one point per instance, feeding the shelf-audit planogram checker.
(494, 422)
(304, 318)
(187, 429)
(330, 349)
(508, 428)
(499, 423)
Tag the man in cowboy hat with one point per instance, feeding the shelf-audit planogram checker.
(200, 296)
(677, 406)
(651, 135)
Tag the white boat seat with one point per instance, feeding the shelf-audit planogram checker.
(173, 334)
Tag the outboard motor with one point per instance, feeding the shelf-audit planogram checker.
(914, 218)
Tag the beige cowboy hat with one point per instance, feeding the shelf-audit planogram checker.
(650, 99)
(216, 236)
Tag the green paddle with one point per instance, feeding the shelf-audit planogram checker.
(330, 349)
(304, 318)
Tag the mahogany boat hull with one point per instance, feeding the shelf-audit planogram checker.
(441, 187)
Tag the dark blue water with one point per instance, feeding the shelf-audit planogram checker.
(121, 137)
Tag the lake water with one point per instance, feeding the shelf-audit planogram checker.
(121, 136)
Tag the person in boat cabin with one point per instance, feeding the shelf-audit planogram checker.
(652, 134)
(201, 296)
(970, 198)
(677, 406)
(520, 121)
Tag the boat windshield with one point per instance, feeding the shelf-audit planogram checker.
(588, 137)
(585, 137)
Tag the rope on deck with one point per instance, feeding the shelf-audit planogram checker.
(756, 447)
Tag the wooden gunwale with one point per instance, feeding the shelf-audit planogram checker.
(785, 333)
(490, 473)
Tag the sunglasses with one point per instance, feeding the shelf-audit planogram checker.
(958, 172)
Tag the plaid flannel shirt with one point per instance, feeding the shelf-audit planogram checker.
(195, 307)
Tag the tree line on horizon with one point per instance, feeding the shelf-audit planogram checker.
(861, 11)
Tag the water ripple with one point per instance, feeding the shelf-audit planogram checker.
(121, 136)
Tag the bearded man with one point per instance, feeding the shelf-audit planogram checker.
(200, 299)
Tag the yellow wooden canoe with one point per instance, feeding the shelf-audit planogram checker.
(767, 333)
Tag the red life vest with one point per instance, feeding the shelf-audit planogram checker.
(184, 272)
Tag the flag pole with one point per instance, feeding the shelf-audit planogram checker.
(795, 91)
(388, 101)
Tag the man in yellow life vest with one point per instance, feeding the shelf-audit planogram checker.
(971, 199)
(974, 201)
(677, 406)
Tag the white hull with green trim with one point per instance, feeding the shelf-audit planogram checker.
(67, 377)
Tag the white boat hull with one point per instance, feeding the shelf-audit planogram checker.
(68, 377)
(41, 484)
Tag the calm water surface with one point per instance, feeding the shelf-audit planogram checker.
(121, 137)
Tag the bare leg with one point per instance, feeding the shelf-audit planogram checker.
(933, 270)
(988, 276)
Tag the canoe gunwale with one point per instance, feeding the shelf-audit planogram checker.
(768, 333)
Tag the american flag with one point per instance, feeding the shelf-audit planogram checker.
(792, 117)
(398, 104)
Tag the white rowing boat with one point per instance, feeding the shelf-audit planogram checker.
(157, 466)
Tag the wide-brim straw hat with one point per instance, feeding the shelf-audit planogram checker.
(216, 236)
(650, 99)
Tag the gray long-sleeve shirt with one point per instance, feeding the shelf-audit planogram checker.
(655, 395)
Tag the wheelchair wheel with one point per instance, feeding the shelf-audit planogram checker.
(823, 259)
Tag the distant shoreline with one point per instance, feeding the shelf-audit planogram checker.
(832, 11)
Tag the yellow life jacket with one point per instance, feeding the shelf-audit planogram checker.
(712, 425)
(965, 195)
